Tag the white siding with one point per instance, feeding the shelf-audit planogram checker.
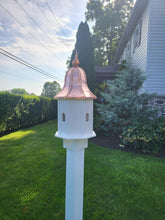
(155, 69)
(139, 57)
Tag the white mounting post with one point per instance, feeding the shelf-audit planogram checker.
(74, 178)
(75, 126)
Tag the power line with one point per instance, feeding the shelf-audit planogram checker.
(33, 36)
(12, 74)
(51, 11)
(34, 21)
(17, 57)
(53, 14)
(43, 13)
(10, 55)
(50, 24)
(23, 62)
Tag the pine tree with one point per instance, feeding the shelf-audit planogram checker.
(84, 47)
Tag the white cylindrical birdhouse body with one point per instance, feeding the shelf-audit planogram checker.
(75, 119)
(75, 126)
(75, 106)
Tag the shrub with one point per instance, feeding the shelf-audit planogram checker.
(146, 136)
(20, 111)
(123, 102)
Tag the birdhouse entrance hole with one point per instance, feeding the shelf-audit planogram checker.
(87, 116)
(63, 117)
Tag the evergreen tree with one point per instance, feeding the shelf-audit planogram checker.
(124, 103)
(84, 47)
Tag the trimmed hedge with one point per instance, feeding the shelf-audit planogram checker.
(20, 111)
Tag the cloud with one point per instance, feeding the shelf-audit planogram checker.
(48, 41)
(1, 28)
(37, 41)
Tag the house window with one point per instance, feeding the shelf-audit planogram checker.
(87, 116)
(137, 36)
(63, 117)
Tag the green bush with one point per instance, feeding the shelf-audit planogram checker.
(20, 111)
(122, 102)
(146, 136)
(124, 111)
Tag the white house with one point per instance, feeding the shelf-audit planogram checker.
(143, 41)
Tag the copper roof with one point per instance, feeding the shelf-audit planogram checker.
(75, 85)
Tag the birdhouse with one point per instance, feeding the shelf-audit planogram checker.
(75, 105)
(75, 126)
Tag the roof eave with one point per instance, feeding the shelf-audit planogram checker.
(131, 25)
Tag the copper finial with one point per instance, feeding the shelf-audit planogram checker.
(76, 62)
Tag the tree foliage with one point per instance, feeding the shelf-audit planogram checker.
(124, 103)
(109, 19)
(19, 91)
(50, 89)
(84, 47)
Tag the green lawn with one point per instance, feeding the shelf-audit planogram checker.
(118, 185)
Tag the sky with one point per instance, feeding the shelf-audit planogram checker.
(40, 32)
